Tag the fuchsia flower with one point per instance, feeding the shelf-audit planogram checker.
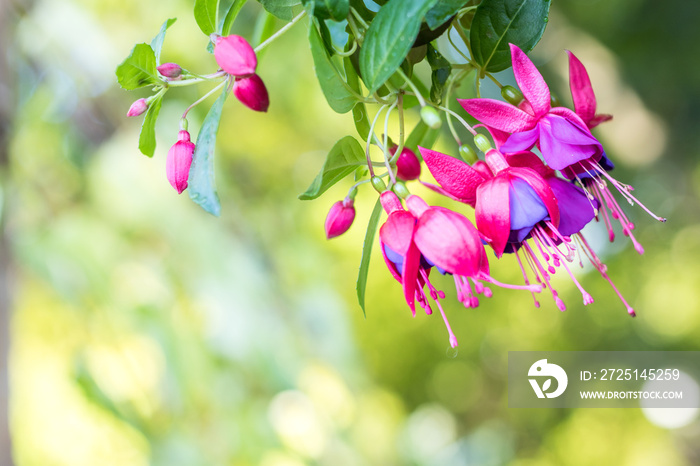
(582, 93)
(179, 160)
(170, 70)
(252, 93)
(561, 135)
(407, 164)
(423, 237)
(340, 218)
(137, 108)
(235, 55)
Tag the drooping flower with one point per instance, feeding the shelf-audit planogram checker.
(423, 237)
(340, 218)
(179, 160)
(137, 108)
(169, 70)
(235, 55)
(407, 164)
(561, 135)
(252, 93)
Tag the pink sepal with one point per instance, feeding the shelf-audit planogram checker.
(493, 212)
(454, 176)
(252, 93)
(530, 82)
(499, 115)
(235, 55)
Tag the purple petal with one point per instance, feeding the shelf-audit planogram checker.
(499, 115)
(564, 143)
(526, 208)
(541, 188)
(522, 141)
(530, 82)
(575, 209)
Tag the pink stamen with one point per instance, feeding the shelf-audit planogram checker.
(527, 281)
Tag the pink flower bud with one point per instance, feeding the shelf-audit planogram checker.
(407, 165)
(177, 165)
(170, 70)
(235, 55)
(252, 93)
(137, 108)
(340, 218)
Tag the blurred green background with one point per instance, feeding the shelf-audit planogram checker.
(142, 330)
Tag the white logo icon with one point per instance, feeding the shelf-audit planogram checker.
(542, 369)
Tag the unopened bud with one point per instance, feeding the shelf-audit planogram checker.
(137, 108)
(482, 143)
(430, 117)
(554, 101)
(512, 95)
(252, 93)
(378, 184)
(177, 165)
(235, 55)
(340, 218)
(401, 190)
(468, 154)
(407, 165)
(169, 70)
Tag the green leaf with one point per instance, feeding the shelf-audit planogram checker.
(335, 10)
(500, 22)
(157, 42)
(389, 39)
(283, 9)
(345, 156)
(441, 70)
(201, 184)
(139, 68)
(443, 11)
(147, 138)
(334, 88)
(231, 16)
(205, 14)
(422, 136)
(366, 255)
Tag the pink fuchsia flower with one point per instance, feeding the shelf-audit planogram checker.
(179, 160)
(561, 135)
(423, 237)
(252, 93)
(169, 70)
(340, 218)
(235, 55)
(137, 108)
(407, 164)
(582, 94)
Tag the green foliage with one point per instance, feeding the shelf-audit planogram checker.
(201, 184)
(231, 15)
(205, 12)
(442, 11)
(157, 42)
(334, 87)
(361, 286)
(441, 70)
(139, 68)
(283, 9)
(343, 159)
(500, 22)
(147, 138)
(336, 10)
(389, 39)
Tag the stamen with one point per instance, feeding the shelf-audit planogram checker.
(527, 281)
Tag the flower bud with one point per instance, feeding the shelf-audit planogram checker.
(512, 95)
(378, 184)
(407, 165)
(468, 154)
(235, 55)
(169, 70)
(430, 117)
(482, 143)
(252, 93)
(340, 218)
(137, 108)
(177, 165)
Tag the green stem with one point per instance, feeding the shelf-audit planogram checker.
(282, 30)
(386, 144)
(369, 139)
(198, 79)
(413, 87)
(198, 101)
(399, 149)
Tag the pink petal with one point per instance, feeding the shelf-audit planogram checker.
(542, 188)
(449, 240)
(235, 55)
(456, 177)
(397, 231)
(252, 93)
(581, 89)
(530, 82)
(569, 115)
(493, 212)
(499, 115)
